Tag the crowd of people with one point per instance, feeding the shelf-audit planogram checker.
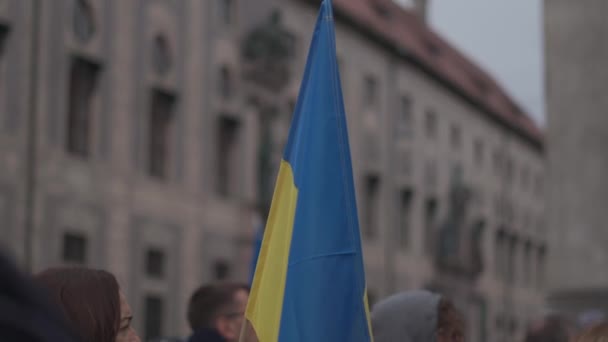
(79, 304)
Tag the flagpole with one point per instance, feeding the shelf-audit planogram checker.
(243, 336)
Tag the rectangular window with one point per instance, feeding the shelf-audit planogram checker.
(509, 169)
(227, 154)
(3, 34)
(81, 93)
(508, 210)
(430, 124)
(513, 327)
(498, 161)
(155, 263)
(478, 152)
(221, 270)
(430, 217)
(511, 258)
(499, 256)
(538, 185)
(541, 227)
(160, 133)
(371, 146)
(74, 248)
(524, 177)
(527, 271)
(153, 320)
(226, 11)
(455, 136)
(370, 92)
(372, 189)
(540, 267)
(483, 320)
(225, 83)
(404, 215)
(457, 173)
(498, 207)
(403, 127)
(405, 163)
(430, 174)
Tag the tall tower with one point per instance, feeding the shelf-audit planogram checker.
(576, 42)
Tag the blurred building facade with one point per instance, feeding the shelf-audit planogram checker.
(144, 137)
(576, 79)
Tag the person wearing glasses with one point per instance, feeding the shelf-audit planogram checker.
(216, 312)
(91, 301)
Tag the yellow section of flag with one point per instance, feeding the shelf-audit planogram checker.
(271, 272)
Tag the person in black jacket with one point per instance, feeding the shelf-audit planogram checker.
(26, 315)
(216, 312)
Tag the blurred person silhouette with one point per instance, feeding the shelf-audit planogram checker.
(552, 328)
(596, 333)
(92, 302)
(417, 316)
(25, 313)
(216, 312)
(591, 318)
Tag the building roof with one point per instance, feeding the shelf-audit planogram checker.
(409, 36)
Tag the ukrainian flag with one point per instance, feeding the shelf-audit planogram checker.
(309, 284)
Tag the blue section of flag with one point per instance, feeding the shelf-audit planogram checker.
(325, 287)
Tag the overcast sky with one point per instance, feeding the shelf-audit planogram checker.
(504, 37)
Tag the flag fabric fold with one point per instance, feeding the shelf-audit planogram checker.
(309, 283)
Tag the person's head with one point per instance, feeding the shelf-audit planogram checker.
(597, 333)
(92, 302)
(450, 324)
(417, 316)
(220, 307)
(553, 328)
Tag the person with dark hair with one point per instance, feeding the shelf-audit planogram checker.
(25, 314)
(417, 316)
(92, 302)
(552, 328)
(216, 312)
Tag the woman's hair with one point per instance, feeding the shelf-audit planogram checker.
(89, 299)
(449, 320)
(597, 333)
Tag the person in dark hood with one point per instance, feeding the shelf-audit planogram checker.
(216, 312)
(26, 315)
(417, 316)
